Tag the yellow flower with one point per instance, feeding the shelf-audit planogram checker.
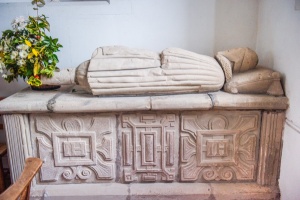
(30, 55)
(28, 43)
(35, 52)
(36, 67)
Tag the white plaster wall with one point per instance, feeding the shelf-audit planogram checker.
(278, 46)
(202, 26)
(149, 24)
(236, 24)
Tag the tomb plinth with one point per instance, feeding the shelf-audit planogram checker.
(185, 146)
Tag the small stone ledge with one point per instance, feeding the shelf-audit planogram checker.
(161, 191)
(223, 100)
(181, 102)
(68, 100)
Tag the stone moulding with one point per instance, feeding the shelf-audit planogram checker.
(28, 101)
(270, 149)
(15, 131)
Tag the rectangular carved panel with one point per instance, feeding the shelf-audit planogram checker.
(74, 148)
(79, 146)
(270, 148)
(170, 150)
(15, 131)
(127, 149)
(219, 146)
(215, 147)
(148, 145)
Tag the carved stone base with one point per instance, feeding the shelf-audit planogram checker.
(157, 191)
(216, 146)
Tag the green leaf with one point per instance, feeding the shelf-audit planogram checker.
(55, 58)
(7, 32)
(34, 81)
(48, 28)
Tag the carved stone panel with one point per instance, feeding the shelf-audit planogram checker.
(74, 148)
(219, 146)
(15, 129)
(270, 148)
(149, 146)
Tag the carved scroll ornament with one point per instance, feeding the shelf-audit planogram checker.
(219, 146)
(74, 148)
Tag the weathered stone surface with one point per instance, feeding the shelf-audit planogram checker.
(181, 102)
(181, 71)
(65, 100)
(219, 146)
(124, 52)
(247, 191)
(176, 191)
(255, 81)
(238, 65)
(84, 102)
(156, 191)
(120, 70)
(237, 60)
(149, 146)
(223, 100)
(74, 148)
(270, 149)
(61, 77)
(107, 191)
(28, 101)
(16, 129)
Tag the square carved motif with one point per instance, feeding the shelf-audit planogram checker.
(219, 146)
(216, 147)
(74, 149)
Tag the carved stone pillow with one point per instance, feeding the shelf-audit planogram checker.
(255, 81)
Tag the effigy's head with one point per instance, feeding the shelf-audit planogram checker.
(237, 60)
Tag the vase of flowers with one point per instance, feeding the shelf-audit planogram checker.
(27, 51)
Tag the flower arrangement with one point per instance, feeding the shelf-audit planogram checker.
(27, 51)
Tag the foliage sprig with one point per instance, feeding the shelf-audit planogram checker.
(27, 51)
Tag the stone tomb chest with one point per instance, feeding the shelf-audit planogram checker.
(185, 146)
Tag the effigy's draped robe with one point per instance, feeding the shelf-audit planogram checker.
(119, 70)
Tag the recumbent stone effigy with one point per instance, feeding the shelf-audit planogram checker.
(130, 144)
(116, 70)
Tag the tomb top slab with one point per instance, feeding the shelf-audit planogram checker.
(70, 99)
